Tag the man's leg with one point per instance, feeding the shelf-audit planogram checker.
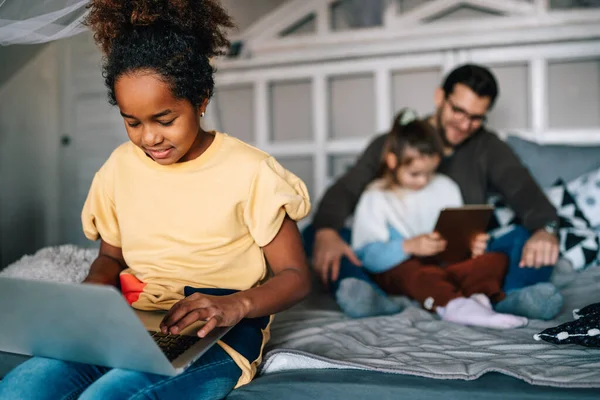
(540, 301)
(308, 240)
(48, 379)
(212, 377)
(518, 277)
(355, 292)
(358, 295)
(529, 292)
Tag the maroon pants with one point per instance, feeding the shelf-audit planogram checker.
(438, 285)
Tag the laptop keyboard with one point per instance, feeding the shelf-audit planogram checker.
(173, 345)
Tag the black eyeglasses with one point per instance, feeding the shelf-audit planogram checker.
(462, 114)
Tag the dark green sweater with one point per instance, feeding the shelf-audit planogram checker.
(482, 165)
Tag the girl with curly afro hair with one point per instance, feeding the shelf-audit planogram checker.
(196, 224)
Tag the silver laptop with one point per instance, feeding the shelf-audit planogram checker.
(92, 324)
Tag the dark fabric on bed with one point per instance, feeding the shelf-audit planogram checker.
(584, 330)
(354, 384)
(8, 361)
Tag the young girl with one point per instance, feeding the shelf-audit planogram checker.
(392, 233)
(188, 220)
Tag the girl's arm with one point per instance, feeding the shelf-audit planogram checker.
(378, 245)
(107, 266)
(381, 256)
(291, 281)
(289, 285)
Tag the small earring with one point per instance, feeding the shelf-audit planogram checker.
(202, 115)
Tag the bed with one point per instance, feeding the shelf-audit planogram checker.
(316, 352)
(342, 385)
(293, 96)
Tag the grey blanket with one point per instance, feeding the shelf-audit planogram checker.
(416, 342)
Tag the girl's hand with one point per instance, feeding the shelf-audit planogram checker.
(215, 310)
(479, 244)
(290, 284)
(425, 245)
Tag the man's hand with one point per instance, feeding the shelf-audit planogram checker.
(540, 250)
(328, 250)
(215, 310)
(479, 244)
(425, 245)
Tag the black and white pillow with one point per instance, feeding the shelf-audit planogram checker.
(586, 192)
(568, 211)
(587, 310)
(584, 330)
(577, 241)
(503, 218)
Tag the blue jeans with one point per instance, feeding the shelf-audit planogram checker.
(347, 268)
(511, 244)
(213, 376)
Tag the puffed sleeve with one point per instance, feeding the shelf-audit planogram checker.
(274, 192)
(99, 217)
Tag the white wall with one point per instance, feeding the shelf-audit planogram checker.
(29, 137)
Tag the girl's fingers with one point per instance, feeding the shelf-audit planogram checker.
(208, 327)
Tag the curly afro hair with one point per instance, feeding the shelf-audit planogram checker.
(175, 39)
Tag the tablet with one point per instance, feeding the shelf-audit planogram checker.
(458, 226)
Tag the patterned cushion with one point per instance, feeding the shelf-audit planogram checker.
(584, 330)
(587, 310)
(578, 243)
(504, 217)
(586, 191)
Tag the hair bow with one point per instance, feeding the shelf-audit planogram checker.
(408, 115)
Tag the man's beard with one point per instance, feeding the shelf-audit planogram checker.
(442, 131)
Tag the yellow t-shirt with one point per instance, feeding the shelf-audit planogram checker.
(196, 224)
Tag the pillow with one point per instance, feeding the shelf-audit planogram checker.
(568, 211)
(584, 330)
(542, 160)
(578, 243)
(597, 229)
(586, 191)
(504, 217)
(587, 310)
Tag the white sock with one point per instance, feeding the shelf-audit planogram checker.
(483, 300)
(477, 311)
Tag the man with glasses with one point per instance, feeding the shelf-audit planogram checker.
(479, 162)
